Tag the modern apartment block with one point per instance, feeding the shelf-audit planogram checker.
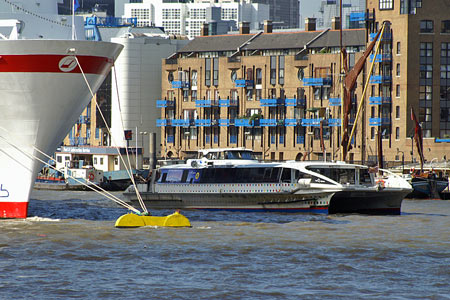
(187, 18)
(271, 91)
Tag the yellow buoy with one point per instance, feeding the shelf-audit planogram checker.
(132, 220)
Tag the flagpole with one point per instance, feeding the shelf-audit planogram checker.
(73, 18)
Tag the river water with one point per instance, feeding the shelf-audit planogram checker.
(69, 249)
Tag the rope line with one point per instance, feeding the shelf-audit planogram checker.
(127, 167)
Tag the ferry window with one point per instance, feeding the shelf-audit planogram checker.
(59, 159)
(256, 175)
(164, 176)
(101, 160)
(184, 176)
(116, 161)
(95, 160)
(286, 175)
(364, 176)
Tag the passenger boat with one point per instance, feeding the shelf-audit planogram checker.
(234, 179)
(43, 90)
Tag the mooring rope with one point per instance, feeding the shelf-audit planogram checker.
(127, 167)
(96, 188)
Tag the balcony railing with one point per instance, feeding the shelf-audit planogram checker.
(379, 100)
(380, 79)
(271, 102)
(317, 81)
(182, 122)
(242, 122)
(386, 36)
(334, 101)
(164, 103)
(379, 121)
(227, 102)
(206, 103)
(294, 102)
(203, 122)
(387, 57)
(334, 122)
(243, 83)
(164, 122)
(180, 84)
(311, 122)
(290, 122)
(268, 122)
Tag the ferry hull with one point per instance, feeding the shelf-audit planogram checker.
(251, 202)
(383, 202)
(42, 94)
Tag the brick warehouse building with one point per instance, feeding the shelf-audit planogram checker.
(268, 91)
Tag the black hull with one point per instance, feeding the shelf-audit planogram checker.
(427, 188)
(368, 202)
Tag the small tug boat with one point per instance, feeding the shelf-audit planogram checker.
(234, 179)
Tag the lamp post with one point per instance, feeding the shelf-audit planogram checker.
(403, 159)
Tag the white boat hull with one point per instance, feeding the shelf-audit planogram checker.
(42, 94)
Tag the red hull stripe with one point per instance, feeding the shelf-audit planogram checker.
(49, 63)
(13, 209)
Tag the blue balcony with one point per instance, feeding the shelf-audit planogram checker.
(226, 122)
(242, 122)
(379, 121)
(78, 141)
(180, 84)
(268, 122)
(357, 16)
(165, 103)
(334, 101)
(294, 102)
(203, 122)
(227, 103)
(380, 79)
(182, 122)
(271, 102)
(387, 57)
(84, 120)
(311, 122)
(290, 122)
(243, 83)
(379, 100)
(317, 81)
(205, 103)
(334, 122)
(386, 36)
(170, 139)
(164, 122)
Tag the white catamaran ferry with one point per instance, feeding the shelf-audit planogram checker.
(234, 179)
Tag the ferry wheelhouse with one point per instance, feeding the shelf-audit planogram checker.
(234, 179)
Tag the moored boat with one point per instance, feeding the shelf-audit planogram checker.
(43, 90)
(233, 179)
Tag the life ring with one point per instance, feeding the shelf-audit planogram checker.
(91, 176)
(412, 170)
(381, 183)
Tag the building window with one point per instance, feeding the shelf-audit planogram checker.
(281, 69)
(258, 95)
(386, 4)
(258, 76)
(273, 70)
(249, 94)
(193, 95)
(398, 70)
(399, 48)
(372, 133)
(426, 26)
(445, 26)
(444, 127)
(397, 112)
(207, 71)
(194, 78)
(397, 133)
(301, 74)
(216, 72)
(372, 112)
(397, 90)
(185, 95)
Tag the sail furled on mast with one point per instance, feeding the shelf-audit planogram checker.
(418, 138)
(349, 83)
